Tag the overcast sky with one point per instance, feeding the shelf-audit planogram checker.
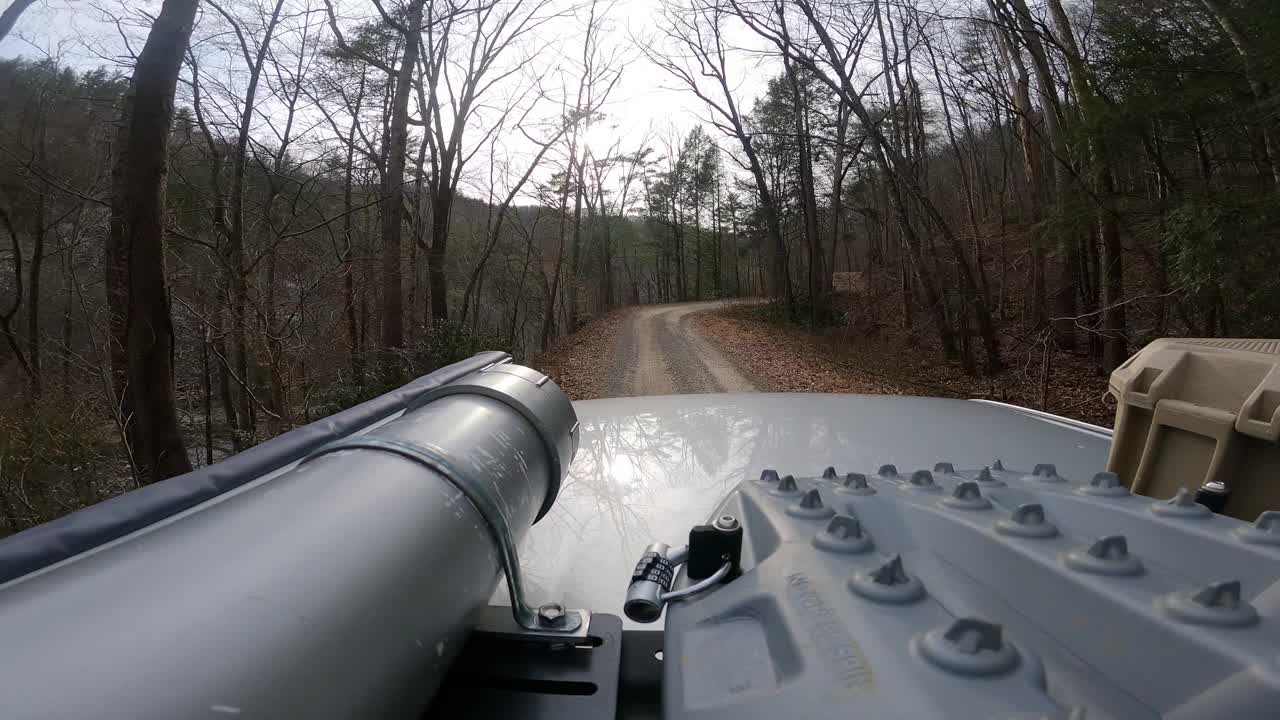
(647, 100)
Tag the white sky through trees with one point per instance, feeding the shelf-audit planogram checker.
(85, 34)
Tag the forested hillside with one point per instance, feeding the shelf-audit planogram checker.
(259, 212)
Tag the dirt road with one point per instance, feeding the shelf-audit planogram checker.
(660, 353)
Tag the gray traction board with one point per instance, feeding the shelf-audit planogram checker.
(980, 594)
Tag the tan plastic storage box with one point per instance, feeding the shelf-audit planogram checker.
(1201, 413)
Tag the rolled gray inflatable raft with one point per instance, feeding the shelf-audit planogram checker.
(342, 585)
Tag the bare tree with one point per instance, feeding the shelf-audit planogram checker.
(1256, 76)
(1090, 104)
(823, 57)
(450, 94)
(495, 224)
(702, 65)
(135, 270)
(228, 210)
(599, 73)
(391, 309)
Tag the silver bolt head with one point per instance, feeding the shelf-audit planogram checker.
(727, 522)
(551, 613)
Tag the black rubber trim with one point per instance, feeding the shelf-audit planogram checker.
(116, 517)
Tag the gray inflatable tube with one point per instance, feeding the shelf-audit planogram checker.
(341, 586)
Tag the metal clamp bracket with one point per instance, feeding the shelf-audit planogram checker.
(539, 401)
(552, 620)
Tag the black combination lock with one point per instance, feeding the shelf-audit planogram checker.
(650, 580)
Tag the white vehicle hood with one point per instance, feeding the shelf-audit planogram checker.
(650, 468)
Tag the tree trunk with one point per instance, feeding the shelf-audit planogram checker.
(575, 251)
(1035, 309)
(391, 309)
(1256, 77)
(354, 352)
(277, 404)
(69, 281)
(808, 198)
(1114, 345)
(33, 285)
(524, 273)
(1064, 294)
(420, 212)
(225, 393)
(235, 249)
(549, 312)
(606, 257)
(240, 343)
(677, 252)
(10, 15)
(441, 208)
(698, 245)
(206, 385)
(836, 200)
(135, 248)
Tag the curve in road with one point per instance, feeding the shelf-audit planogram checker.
(660, 353)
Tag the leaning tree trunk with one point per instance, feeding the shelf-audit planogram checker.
(1064, 294)
(808, 198)
(392, 309)
(10, 15)
(575, 250)
(135, 248)
(355, 354)
(1255, 76)
(1114, 345)
(1034, 312)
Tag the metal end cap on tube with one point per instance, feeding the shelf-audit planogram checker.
(538, 399)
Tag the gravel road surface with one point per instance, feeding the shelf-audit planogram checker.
(661, 353)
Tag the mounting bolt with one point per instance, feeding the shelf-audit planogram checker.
(1108, 555)
(1104, 484)
(944, 468)
(967, 496)
(829, 473)
(855, 484)
(810, 507)
(887, 471)
(769, 476)
(551, 614)
(1264, 531)
(1027, 520)
(1182, 505)
(998, 465)
(1218, 603)
(968, 646)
